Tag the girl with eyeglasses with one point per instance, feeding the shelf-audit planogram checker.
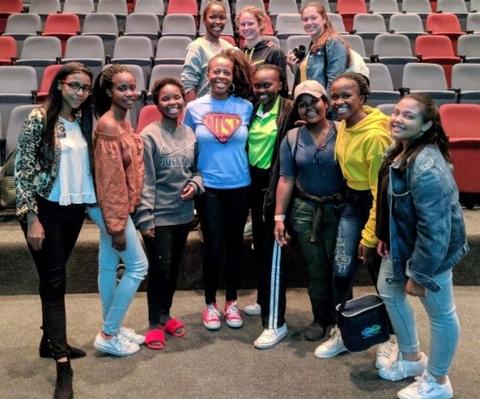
(54, 184)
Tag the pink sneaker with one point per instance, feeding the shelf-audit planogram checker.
(211, 317)
(233, 317)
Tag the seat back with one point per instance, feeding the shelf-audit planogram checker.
(380, 78)
(11, 6)
(351, 6)
(148, 114)
(179, 25)
(151, 6)
(465, 77)
(356, 43)
(8, 49)
(337, 22)
(243, 3)
(100, 23)
(116, 7)
(453, 6)
(171, 49)
(133, 47)
(23, 24)
(289, 24)
(182, 7)
(403, 23)
(392, 45)
(282, 7)
(47, 79)
(434, 46)
(474, 6)
(44, 7)
(80, 7)
(226, 3)
(15, 124)
(369, 23)
(423, 76)
(473, 22)
(142, 23)
(41, 47)
(84, 47)
(324, 3)
(417, 6)
(384, 6)
(438, 23)
(165, 71)
(469, 46)
(17, 79)
(61, 23)
(461, 120)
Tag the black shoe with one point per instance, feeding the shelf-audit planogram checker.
(314, 332)
(64, 388)
(46, 351)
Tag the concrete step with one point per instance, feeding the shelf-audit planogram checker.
(18, 275)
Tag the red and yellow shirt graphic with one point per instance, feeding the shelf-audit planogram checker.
(222, 126)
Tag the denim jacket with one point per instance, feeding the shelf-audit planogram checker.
(427, 231)
(324, 68)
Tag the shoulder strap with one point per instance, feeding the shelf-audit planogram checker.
(292, 140)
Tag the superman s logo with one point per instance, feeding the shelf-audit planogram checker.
(222, 126)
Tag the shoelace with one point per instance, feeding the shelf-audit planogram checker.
(212, 312)
(123, 341)
(232, 311)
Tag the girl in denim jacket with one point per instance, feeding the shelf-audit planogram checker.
(327, 56)
(422, 237)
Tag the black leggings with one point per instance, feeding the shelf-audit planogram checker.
(222, 214)
(62, 225)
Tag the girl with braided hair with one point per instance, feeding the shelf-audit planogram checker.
(118, 158)
(220, 121)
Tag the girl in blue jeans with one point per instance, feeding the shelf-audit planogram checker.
(118, 159)
(422, 237)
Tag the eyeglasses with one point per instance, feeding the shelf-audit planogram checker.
(76, 87)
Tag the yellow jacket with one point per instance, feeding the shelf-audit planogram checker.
(359, 151)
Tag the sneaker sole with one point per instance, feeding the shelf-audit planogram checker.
(112, 352)
(329, 355)
(252, 313)
(211, 327)
(236, 324)
(270, 345)
(410, 375)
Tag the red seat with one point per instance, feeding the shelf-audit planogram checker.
(8, 7)
(444, 24)
(62, 26)
(437, 49)
(460, 122)
(148, 114)
(47, 79)
(183, 7)
(348, 9)
(8, 50)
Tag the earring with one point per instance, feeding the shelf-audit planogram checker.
(232, 88)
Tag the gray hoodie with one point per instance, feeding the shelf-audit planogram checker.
(170, 163)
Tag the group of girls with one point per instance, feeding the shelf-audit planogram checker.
(149, 182)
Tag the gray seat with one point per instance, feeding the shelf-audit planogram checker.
(337, 22)
(136, 50)
(384, 7)
(164, 71)
(171, 49)
(457, 7)
(243, 3)
(21, 26)
(465, 78)
(356, 43)
(368, 26)
(410, 25)
(381, 85)
(227, 31)
(473, 22)
(295, 41)
(421, 7)
(79, 7)
(394, 51)
(151, 6)
(288, 25)
(474, 6)
(103, 25)
(40, 51)
(387, 109)
(468, 47)
(277, 7)
(142, 24)
(118, 8)
(16, 86)
(324, 3)
(15, 124)
(429, 79)
(44, 7)
(226, 3)
(88, 50)
(179, 25)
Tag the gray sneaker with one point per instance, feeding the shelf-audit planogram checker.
(118, 345)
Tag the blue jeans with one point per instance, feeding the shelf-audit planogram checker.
(444, 325)
(116, 298)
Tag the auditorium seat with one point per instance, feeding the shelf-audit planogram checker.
(171, 49)
(457, 7)
(151, 6)
(21, 26)
(465, 78)
(368, 26)
(446, 25)
(324, 3)
(44, 7)
(79, 7)
(8, 50)
(243, 3)
(337, 22)
(88, 50)
(143, 24)
(226, 3)
(179, 25)
(62, 26)
(118, 8)
(429, 79)
(381, 86)
(473, 22)
(148, 114)
(474, 6)
(437, 49)
(295, 41)
(7, 8)
(182, 7)
(276, 7)
(420, 7)
(468, 48)
(103, 25)
(164, 71)
(410, 25)
(348, 9)
(16, 121)
(46, 80)
(356, 43)
(136, 50)
(384, 7)
(288, 25)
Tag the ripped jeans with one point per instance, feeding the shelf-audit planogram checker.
(440, 308)
(116, 298)
(346, 263)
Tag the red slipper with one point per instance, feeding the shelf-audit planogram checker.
(155, 339)
(175, 327)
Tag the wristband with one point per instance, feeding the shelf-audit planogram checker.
(279, 218)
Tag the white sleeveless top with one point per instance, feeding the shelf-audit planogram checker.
(74, 182)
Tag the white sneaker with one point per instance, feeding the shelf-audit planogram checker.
(401, 369)
(132, 336)
(426, 387)
(332, 346)
(386, 353)
(118, 345)
(271, 337)
(253, 310)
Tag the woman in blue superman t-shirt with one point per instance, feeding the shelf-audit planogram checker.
(220, 121)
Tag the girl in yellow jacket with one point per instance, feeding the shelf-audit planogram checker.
(363, 136)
